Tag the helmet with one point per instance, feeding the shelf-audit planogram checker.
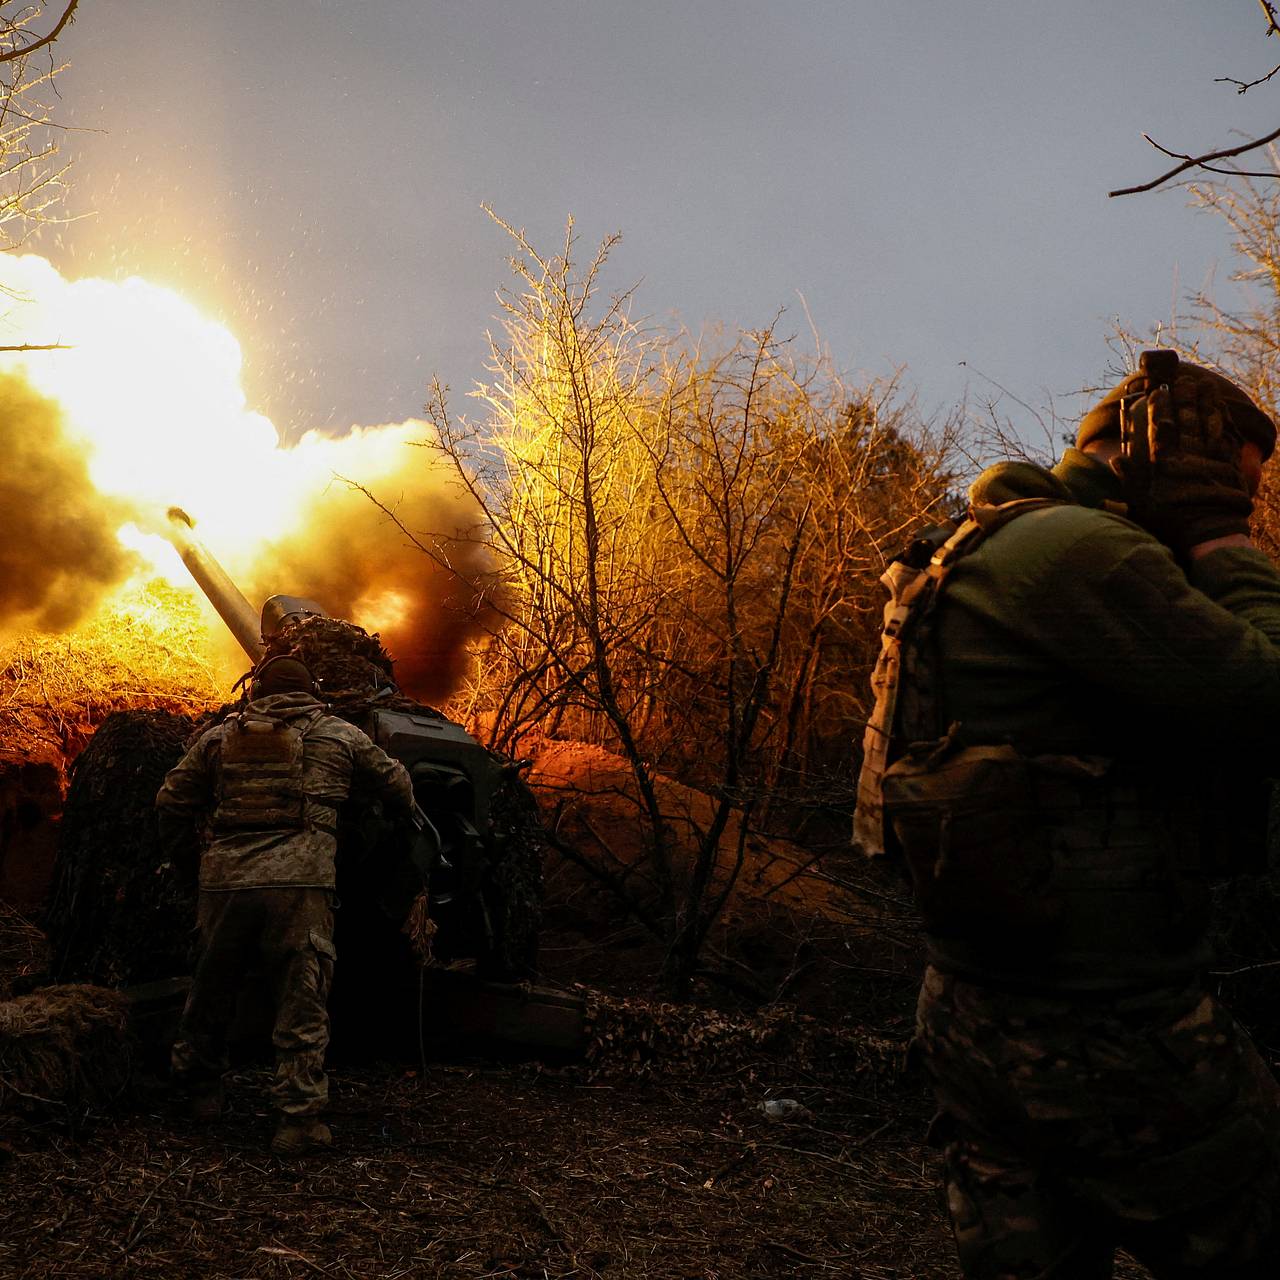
(1251, 424)
(281, 674)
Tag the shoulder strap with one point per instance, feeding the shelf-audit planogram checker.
(913, 593)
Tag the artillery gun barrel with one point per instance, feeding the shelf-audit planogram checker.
(212, 579)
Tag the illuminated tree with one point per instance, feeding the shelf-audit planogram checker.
(687, 546)
(31, 174)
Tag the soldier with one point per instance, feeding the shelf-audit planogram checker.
(1065, 683)
(269, 780)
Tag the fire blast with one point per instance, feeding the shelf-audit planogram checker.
(142, 409)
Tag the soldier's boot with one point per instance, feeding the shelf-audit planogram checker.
(207, 1102)
(297, 1135)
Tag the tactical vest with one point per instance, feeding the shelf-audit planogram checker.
(1048, 872)
(261, 781)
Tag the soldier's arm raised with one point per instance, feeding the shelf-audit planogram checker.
(1206, 641)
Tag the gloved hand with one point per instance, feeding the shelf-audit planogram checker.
(1181, 470)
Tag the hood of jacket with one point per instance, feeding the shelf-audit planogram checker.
(285, 706)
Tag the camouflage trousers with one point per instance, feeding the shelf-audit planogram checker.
(1075, 1127)
(284, 939)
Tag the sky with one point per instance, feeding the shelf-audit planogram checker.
(924, 185)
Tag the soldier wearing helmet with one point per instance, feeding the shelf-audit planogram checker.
(268, 782)
(1075, 690)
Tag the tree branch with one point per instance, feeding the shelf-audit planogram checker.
(67, 15)
(1192, 162)
(1243, 86)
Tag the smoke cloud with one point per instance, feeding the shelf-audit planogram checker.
(363, 549)
(58, 548)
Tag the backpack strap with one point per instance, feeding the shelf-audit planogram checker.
(913, 594)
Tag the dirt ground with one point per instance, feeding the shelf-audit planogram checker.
(481, 1168)
(624, 1167)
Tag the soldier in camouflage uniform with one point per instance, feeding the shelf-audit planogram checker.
(1070, 702)
(269, 780)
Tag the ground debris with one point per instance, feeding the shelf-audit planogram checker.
(474, 1171)
(637, 1037)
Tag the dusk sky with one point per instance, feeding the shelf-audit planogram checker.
(929, 179)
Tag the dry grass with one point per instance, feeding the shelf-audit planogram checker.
(148, 648)
(24, 950)
(64, 1051)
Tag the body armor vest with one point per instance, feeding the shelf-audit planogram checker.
(261, 784)
(1058, 872)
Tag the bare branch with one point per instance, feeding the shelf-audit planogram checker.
(21, 52)
(1243, 86)
(1192, 162)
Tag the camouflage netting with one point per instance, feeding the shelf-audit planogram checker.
(119, 913)
(64, 1051)
(350, 664)
(641, 1038)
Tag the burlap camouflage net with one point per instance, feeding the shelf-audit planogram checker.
(351, 665)
(65, 1051)
(120, 912)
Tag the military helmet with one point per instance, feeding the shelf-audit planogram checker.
(282, 674)
(1103, 421)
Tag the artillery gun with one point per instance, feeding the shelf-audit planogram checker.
(120, 914)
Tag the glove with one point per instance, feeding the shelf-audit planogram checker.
(1181, 466)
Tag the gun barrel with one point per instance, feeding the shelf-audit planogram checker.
(213, 580)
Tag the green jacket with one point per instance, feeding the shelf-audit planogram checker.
(1073, 630)
(1073, 636)
(337, 756)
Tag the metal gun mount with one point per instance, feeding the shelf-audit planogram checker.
(455, 779)
(479, 842)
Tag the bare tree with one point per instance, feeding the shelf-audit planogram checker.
(32, 177)
(687, 545)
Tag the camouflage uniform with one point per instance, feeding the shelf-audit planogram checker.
(267, 878)
(1091, 1093)
(1072, 1125)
